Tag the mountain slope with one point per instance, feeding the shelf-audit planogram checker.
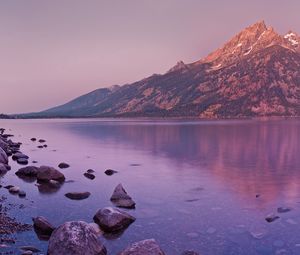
(256, 73)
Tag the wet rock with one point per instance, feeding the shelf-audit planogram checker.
(42, 227)
(271, 217)
(120, 198)
(45, 145)
(49, 187)
(47, 173)
(190, 253)
(283, 209)
(89, 176)
(110, 172)
(28, 171)
(63, 165)
(8, 186)
(77, 195)
(90, 171)
(27, 253)
(19, 155)
(3, 169)
(22, 161)
(14, 190)
(34, 161)
(33, 139)
(40, 146)
(42, 141)
(145, 247)
(3, 157)
(113, 220)
(22, 193)
(75, 238)
(29, 248)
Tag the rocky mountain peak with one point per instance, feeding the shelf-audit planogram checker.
(253, 38)
(293, 39)
(180, 65)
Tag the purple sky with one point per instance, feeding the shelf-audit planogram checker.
(52, 51)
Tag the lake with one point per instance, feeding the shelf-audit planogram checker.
(198, 185)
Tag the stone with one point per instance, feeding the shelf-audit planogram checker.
(75, 238)
(29, 248)
(33, 139)
(14, 190)
(283, 209)
(22, 193)
(47, 173)
(77, 195)
(19, 155)
(90, 171)
(89, 176)
(28, 171)
(271, 217)
(42, 141)
(120, 198)
(190, 253)
(63, 165)
(42, 226)
(3, 169)
(145, 247)
(22, 161)
(110, 172)
(3, 157)
(112, 220)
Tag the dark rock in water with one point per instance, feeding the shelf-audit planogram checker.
(34, 161)
(77, 195)
(42, 227)
(90, 171)
(113, 220)
(8, 186)
(40, 146)
(28, 171)
(283, 209)
(75, 238)
(89, 176)
(14, 190)
(145, 247)
(257, 195)
(120, 198)
(190, 253)
(22, 193)
(33, 139)
(49, 187)
(30, 248)
(3, 169)
(19, 155)
(22, 161)
(110, 172)
(47, 173)
(45, 145)
(3, 157)
(271, 217)
(63, 165)
(42, 141)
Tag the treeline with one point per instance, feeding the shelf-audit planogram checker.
(5, 116)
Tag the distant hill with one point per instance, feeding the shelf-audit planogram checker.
(256, 73)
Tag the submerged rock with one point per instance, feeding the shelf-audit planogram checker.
(75, 238)
(283, 209)
(271, 217)
(22, 161)
(121, 199)
(42, 227)
(3, 169)
(14, 190)
(63, 165)
(89, 176)
(113, 220)
(110, 172)
(145, 247)
(77, 195)
(190, 253)
(28, 171)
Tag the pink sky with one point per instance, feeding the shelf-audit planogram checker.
(52, 51)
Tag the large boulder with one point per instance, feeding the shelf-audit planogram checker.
(4, 168)
(19, 155)
(145, 247)
(3, 157)
(75, 238)
(47, 173)
(113, 220)
(120, 198)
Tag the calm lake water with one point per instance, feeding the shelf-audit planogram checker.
(194, 182)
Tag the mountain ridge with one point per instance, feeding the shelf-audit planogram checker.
(255, 73)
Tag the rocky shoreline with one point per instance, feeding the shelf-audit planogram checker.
(72, 237)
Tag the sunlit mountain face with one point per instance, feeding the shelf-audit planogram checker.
(256, 73)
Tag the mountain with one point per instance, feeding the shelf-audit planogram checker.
(256, 73)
